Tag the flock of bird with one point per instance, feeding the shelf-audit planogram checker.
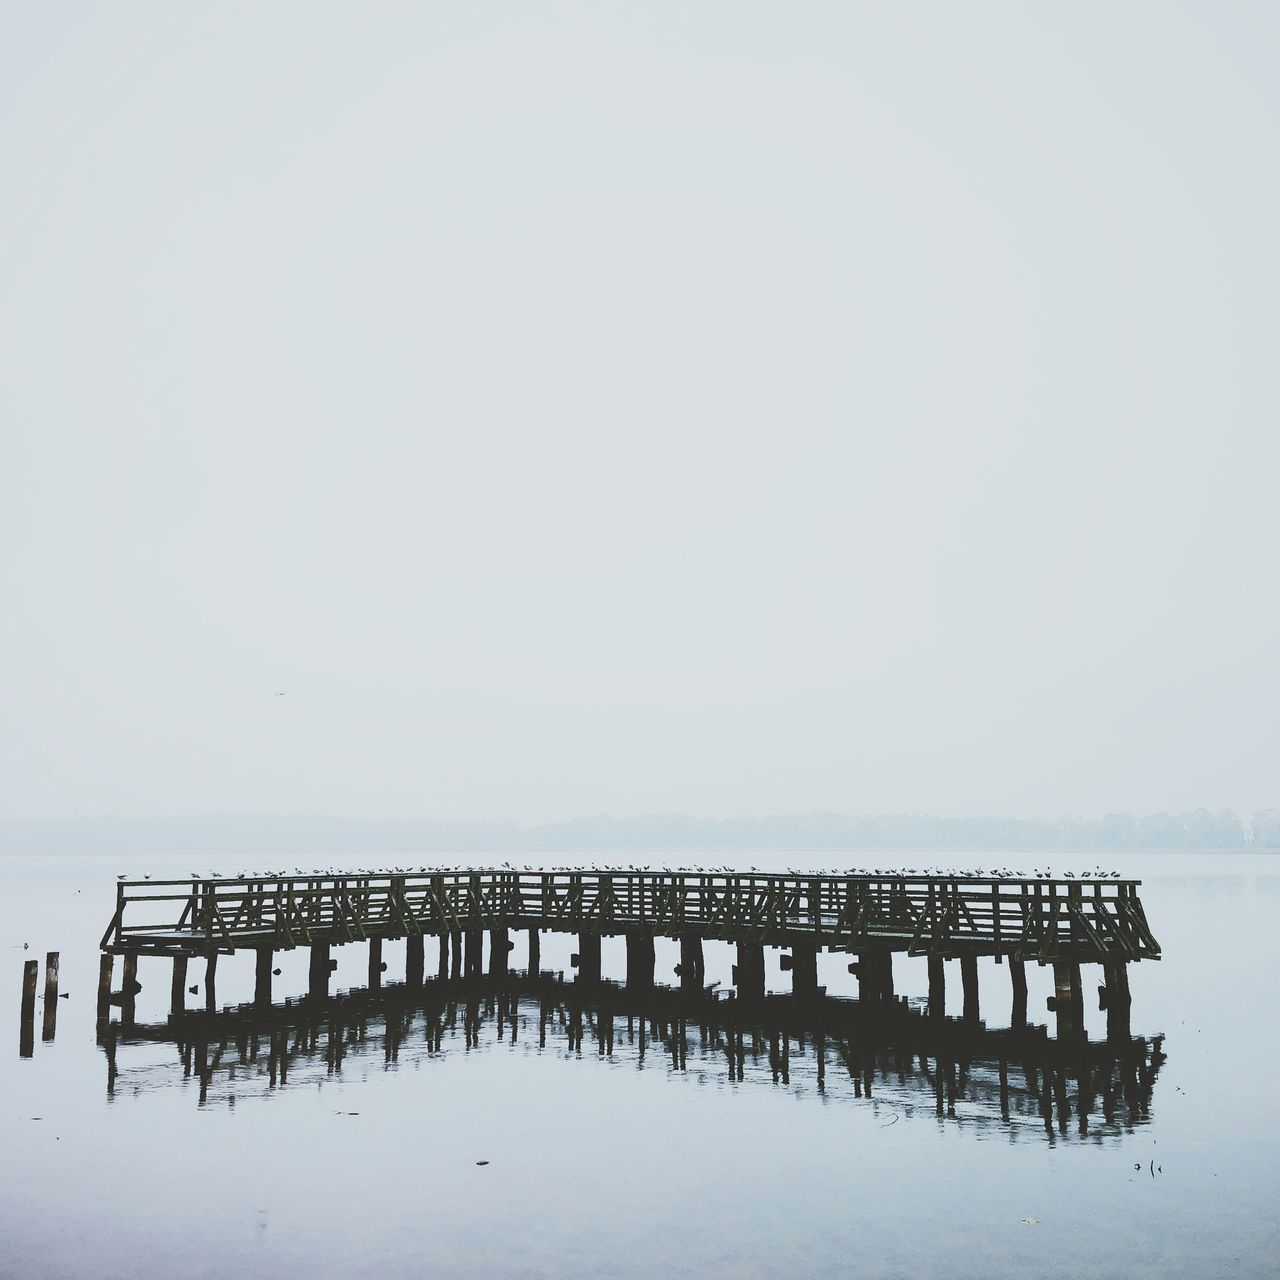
(944, 873)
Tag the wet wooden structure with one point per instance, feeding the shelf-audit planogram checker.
(1064, 923)
(830, 1047)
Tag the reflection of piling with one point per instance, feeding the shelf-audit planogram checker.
(50, 996)
(106, 964)
(26, 1028)
(178, 987)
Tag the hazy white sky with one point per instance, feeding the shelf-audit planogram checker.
(729, 408)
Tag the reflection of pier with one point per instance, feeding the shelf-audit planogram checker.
(1060, 922)
(828, 1048)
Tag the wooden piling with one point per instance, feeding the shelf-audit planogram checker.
(443, 971)
(748, 973)
(499, 951)
(804, 970)
(691, 964)
(640, 961)
(1018, 976)
(50, 996)
(1118, 1000)
(473, 953)
(27, 1022)
(211, 982)
(535, 952)
(129, 988)
(588, 957)
(937, 986)
(415, 960)
(319, 970)
(375, 964)
(455, 950)
(264, 957)
(969, 983)
(178, 987)
(106, 965)
(1067, 999)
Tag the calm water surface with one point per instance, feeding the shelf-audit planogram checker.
(601, 1162)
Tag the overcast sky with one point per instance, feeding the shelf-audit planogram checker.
(725, 408)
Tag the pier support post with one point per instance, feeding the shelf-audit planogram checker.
(499, 951)
(375, 964)
(129, 989)
(474, 952)
(691, 964)
(1018, 976)
(640, 961)
(415, 960)
(455, 950)
(320, 970)
(588, 957)
(50, 996)
(886, 976)
(211, 982)
(870, 979)
(106, 964)
(969, 982)
(1118, 999)
(748, 973)
(535, 951)
(27, 1024)
(443, 972)
(937, 987)
(1068, 1002)
(178, 987)
(804, 970)
(263, 958)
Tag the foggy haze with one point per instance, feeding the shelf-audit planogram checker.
(514, 412)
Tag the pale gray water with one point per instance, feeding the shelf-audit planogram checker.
(600, 1167)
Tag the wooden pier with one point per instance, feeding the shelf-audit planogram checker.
(1064, 923)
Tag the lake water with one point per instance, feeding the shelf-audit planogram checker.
(603, 1159)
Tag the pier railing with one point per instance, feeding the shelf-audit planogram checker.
(1034, 919)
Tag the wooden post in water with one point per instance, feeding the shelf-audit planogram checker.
(443, 972)
(455, 950)
(535, 951)
(804, 970)
(748, 973)
(640, 961)
(937, 987)
(499, 950)
(473, 955)
(178, 987)
(319, 970)
(375, 964)
(211, 982)
(1118, 1000)
(27, 1022)
(869, 984)
(106, 965)
(1067, 1000)
(587, 957)
(886, 976)
(691, 964)
(1018, 976)
(263, 959)
(50, 996)
(969, 983)
(129, 988)
(415, 960)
